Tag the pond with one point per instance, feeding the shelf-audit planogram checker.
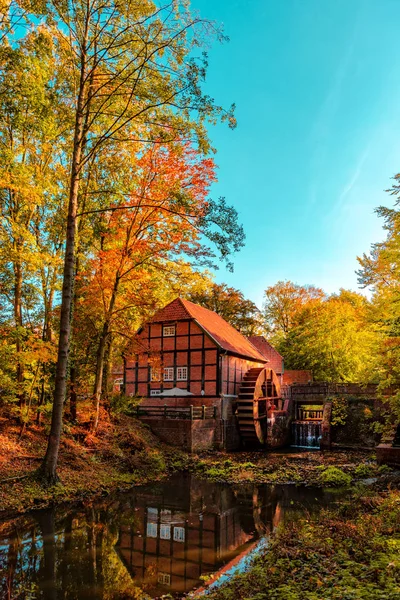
(153, 540)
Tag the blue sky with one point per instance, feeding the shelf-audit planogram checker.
(317, 89)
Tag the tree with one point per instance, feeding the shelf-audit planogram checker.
(132, 78)
(283, 301)
(232, 306)
(166, 216)
(333, 337)
(380, 272)
(30, 197)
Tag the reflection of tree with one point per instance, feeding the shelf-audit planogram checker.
(47, 577)
(67, 555)
(18, 560)
(12, 558)
(91, 535)
(99, 552)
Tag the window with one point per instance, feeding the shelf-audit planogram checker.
(164, 578)
(181, 373)
(119, 384)
(152, 530)
(165, 532)
(168, 330)
(155, 374)
(179, 534)
(168, 373)
(166, 516)
(155, 392)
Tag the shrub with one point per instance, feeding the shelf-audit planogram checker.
(334, 477)
(214, 473)
(363, 471)
(155, 461)
(384, 469)
(339, 411)
(121, 404)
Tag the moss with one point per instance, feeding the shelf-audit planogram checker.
(264, 467)
(384, 469)
(334, 477)
(363, 471)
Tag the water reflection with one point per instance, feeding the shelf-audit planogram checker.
(144, 543)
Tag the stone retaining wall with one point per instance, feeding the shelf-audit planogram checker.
(191, 436)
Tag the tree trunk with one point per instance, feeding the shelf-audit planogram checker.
(48, 309)
(72, 394)
(98, 383)
(49, 466)
(101, 352)
(40, 400)
(73, 359)
(107, 372)
(18, 325)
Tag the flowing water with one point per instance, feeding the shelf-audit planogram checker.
(144, 543)
(306, 434)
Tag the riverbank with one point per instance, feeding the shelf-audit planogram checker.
(321, 469)
(125, 453)
(351, 552)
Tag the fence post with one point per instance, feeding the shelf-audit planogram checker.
(165, 411)
(203, 412)
(191, 412)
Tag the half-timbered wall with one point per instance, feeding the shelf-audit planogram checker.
(190, 347)
(209, 369)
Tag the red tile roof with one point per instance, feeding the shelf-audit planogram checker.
(226, 336)
(275, 359)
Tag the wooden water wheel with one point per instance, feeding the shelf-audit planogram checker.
(260, 389)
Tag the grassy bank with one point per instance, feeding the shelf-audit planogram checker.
(312, 468)
(121, 454)
(347, 553)
(124, 453)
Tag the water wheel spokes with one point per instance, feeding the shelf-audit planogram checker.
(259, 388)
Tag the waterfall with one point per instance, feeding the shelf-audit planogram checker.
(306, 434)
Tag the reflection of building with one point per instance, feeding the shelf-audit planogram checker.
(187, 528)
(168, 535)
(184, 532)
